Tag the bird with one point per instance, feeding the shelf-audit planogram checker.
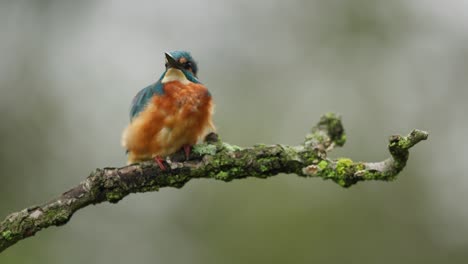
(171, 114)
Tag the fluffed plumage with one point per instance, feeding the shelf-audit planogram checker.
(170, 114)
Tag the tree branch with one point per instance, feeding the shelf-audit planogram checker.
(217, 160)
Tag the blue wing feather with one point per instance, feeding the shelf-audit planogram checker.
(142, 98)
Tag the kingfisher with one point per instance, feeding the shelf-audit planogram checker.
(171, 114)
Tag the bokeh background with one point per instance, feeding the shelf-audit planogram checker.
(69, 69)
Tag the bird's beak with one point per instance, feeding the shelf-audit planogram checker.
(172, 62)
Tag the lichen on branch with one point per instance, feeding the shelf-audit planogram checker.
(216, 160)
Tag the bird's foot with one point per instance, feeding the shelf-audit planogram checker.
(159, 161)
(187, 149)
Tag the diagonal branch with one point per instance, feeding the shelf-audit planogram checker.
(217, 160)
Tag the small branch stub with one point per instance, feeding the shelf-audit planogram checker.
(217, 160)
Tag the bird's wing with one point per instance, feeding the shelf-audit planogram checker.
(143, 97)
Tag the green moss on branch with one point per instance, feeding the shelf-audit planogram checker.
(216, 160)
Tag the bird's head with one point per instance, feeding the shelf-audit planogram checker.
(179, 66)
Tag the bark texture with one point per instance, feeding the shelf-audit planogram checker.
(217, 160)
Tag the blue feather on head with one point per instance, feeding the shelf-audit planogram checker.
(179, 54)
(188, 66)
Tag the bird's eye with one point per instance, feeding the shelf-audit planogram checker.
(166, 64)
(188, 65)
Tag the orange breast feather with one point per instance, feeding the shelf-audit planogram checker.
(181, 116)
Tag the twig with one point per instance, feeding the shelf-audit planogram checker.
(217, 160)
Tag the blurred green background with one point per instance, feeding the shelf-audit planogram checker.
(69, 69)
